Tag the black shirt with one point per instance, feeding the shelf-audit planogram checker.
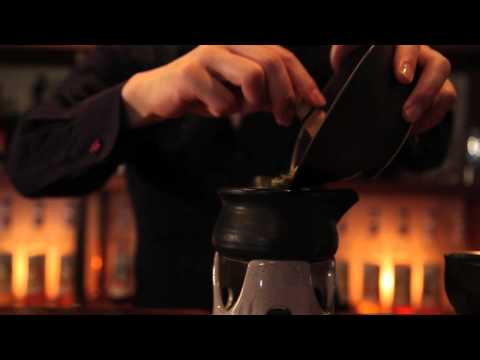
(72, 144)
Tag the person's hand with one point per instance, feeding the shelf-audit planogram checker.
(221, 80)
(434, 94)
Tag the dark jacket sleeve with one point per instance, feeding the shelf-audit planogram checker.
(73, 143)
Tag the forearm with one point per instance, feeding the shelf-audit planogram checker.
(71, 144)
(57, 152)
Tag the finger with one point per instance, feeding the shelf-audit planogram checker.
(303, 83)
(198, 108)
(442, 104)
(339, 52)
(241, 72)
(405, 62)
(314, 123)
(436, 70)
(280, 89)
(202, 86)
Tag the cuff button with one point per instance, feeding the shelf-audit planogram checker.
(96, 146)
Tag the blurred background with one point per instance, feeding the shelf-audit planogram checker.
(66, 254)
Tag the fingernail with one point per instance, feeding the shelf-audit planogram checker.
(406, 72)
(412, 113)
(318, 99)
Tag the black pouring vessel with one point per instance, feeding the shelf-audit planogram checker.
(280, 224)
(462, 282)
(363, 131)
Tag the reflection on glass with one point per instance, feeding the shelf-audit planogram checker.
(312, 123)
(323, 279)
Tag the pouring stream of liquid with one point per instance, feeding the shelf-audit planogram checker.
(313, 120)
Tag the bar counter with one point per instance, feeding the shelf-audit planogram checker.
(102, 311)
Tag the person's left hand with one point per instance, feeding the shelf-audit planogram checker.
(434, 95)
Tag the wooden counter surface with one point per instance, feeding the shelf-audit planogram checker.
(103, 312)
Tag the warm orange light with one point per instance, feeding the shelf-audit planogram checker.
(20, 269)
(404, 310)
(435, 227)
(367, 308)
(387, 284)
(96, 263)
(473, 252)
(53, 239)
(52, 273)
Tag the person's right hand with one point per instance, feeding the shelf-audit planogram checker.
(222, 80)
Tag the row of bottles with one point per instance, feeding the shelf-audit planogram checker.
(392, 247)
(120, 248)
(24, 87)
(110, 246)
(392, 290)
(398, 221)
(37, 251)
(37, 238)
(376, 223)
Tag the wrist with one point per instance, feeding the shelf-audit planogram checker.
(135, 101)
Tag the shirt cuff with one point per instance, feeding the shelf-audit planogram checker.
(100, 126)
